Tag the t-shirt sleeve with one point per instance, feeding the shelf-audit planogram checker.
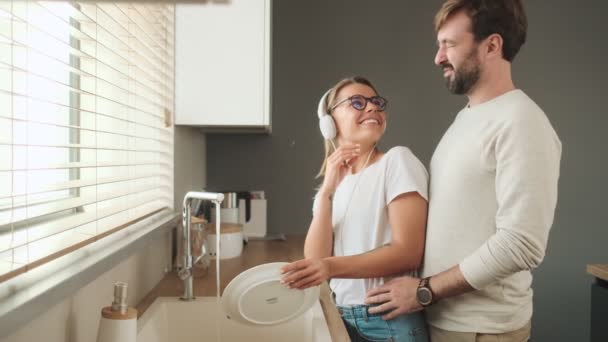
(405, 173)
(315, 203)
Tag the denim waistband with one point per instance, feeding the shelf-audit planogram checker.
(357, 311)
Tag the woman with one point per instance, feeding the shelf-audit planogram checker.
(369, 215)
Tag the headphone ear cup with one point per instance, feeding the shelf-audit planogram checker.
(326, 122)
(328, 127)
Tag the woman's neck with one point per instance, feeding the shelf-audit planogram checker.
(365, 158)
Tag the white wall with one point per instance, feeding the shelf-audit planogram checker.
(190, 162)
(76, 319)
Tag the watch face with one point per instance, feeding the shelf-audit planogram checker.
(424, 296)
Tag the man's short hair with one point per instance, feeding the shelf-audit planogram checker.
(504, 17)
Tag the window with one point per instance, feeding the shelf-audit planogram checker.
(86, 142)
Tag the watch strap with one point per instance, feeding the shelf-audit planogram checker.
(424, 282)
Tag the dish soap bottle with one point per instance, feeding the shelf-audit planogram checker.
(118, 321)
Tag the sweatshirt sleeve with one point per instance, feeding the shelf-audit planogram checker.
(527, 153)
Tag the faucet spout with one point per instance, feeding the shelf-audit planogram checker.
(186, 272)
(208, 196)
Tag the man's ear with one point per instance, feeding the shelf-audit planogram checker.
(493, 45)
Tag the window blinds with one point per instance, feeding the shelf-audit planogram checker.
(86, 142)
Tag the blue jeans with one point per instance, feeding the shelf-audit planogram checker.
(364, 327)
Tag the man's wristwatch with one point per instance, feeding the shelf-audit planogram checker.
(424, 294)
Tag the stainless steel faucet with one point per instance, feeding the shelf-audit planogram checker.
(185, 273)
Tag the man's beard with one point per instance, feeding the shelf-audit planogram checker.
(466, 76)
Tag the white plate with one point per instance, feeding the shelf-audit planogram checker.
(256, 296)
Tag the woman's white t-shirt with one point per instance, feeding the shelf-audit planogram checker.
(360, 213)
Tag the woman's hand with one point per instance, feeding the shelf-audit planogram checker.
(338, 165)
(305, 273)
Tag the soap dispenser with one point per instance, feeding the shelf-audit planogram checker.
(118, 321)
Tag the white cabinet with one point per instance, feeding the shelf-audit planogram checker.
(222, 65)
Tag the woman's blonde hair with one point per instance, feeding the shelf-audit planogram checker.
(330, 101)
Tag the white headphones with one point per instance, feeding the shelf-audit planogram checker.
(326, 122)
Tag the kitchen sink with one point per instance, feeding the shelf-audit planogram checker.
(200, 320)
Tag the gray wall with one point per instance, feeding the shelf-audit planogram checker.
(315, 43)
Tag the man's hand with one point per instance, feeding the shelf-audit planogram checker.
(396, 297)
(305, 273)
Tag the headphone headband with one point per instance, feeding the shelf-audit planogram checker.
(322, 108)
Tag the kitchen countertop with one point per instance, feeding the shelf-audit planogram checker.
(256, 252)
(598, 270)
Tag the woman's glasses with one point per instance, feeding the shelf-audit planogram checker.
(359, 102)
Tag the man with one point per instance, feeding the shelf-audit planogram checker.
(493, 187)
